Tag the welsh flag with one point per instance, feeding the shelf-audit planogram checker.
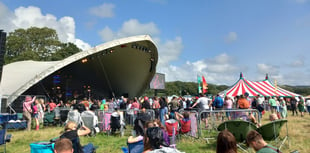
(204, 85)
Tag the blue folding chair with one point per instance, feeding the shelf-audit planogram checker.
(4, 138)
(42, 147)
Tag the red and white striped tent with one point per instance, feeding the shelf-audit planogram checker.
(253, 88)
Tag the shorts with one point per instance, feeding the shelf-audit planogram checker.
(204, 114)
(228, 112)
(36, 115)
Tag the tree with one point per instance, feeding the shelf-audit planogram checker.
(66, 50)
(39, 44)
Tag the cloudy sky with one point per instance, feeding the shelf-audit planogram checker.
(215, 38)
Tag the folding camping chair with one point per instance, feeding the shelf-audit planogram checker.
(42, 147)
(172, 127)
(75, 116)
(106, 122)
(49, 118)
(271, 132)
(88, 120)
(136, 146)
(117, 123)
(193, 122)
(64, 115)
(239, 129)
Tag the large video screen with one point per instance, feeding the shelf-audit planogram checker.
(158, 81)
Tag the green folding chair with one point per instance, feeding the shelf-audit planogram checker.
(240, 129)
(271, 132)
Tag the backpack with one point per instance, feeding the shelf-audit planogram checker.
(254, 103)
(219, 102)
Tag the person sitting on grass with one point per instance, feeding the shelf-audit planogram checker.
(256, 141)
(154, 142)
(63, 145)
(185, 122)
(273, 117)
(71, 132)
(226, 142)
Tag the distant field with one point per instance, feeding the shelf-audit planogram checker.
(299, 129)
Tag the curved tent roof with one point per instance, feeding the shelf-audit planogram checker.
(109, 61)
(264, 88)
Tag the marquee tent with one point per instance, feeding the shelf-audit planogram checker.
(253, 88)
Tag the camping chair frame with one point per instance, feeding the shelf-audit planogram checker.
(214, 124)
(271, 132)
(174, 132)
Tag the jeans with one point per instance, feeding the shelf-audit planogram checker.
(163, 112)
(89, 148)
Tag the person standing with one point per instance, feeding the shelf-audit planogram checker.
(204, 103)
(228, 106)
(294, 105)
(283, 109)
(163, 110)
(301, 106)
(27, 110)
(273, 104)
(308, 105)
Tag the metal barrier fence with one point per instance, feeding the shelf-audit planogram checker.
(194, 118)
(215, 117)
(129, 117)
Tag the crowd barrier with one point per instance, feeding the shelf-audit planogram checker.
(215, 117)
(127, 116)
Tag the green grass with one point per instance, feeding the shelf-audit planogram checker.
(299, 129)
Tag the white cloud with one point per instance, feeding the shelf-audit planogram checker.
(218, 70)
(267, 69)
(26, 17)
(104, 11)
(5, 18)
(231, 37)
(169, 51)
(129, 28)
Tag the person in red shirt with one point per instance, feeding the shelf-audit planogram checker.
(52, 105)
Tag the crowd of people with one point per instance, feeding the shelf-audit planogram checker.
(165, 108)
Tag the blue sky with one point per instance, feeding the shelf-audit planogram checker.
(215, 38)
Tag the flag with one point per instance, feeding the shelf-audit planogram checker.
(199, 81)
(204, 85)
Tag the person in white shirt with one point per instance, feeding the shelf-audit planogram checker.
(308, 105)
(204, 103)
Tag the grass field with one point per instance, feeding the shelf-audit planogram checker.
(299, 138)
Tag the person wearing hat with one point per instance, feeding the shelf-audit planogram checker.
(27, 110)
